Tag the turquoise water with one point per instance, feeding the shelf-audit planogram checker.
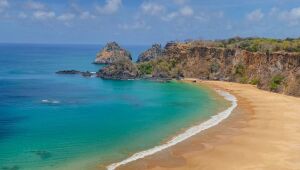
(50, 121)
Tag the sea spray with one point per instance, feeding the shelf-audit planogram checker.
(213, 121)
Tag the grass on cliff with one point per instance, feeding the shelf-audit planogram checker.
(262, 44)
(276, 82)
(253, 44)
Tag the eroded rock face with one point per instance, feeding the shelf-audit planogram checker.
(152, 53)
(122, 69)
(277, 72)
(111, 53)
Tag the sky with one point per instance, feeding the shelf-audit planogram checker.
(145, 21)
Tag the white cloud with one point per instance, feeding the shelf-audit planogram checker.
(186, 11)
(110, 7)
(3, 4)
(35, 5)
(66, 17)
(43, 15)
(22, 15)
(134, 26)
(179, 2)
(152, 8)
(170, 16)
(87, 15)
(292, 16)
(255, 15)
(273, 11)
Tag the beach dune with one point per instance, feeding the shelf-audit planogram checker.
(262, 133)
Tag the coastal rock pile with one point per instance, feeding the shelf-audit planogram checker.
(150, 54)
(111, 53)
(122, 69)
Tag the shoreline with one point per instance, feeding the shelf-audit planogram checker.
(263, 132)
(194, 130)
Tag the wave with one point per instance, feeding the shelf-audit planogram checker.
(46, 101)
(213, 121)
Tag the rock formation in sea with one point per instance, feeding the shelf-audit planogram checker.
(84, 74)
(150, 54)
(121, 69)
(110, 53)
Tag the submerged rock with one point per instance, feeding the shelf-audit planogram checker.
(122, 69)
(152, 53)
(10, 168)
(111, 53)
(43, 154)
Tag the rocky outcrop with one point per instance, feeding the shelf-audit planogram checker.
(73, 72)
(152, 53)
(277, 72)
(111, 53)
(122, 69)
(68, 72)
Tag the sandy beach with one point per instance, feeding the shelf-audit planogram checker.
(263, 132)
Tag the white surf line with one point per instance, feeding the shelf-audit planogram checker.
(213, 121)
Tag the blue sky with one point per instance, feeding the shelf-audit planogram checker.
(145, 21)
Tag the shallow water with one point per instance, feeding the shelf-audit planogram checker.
(50, 121)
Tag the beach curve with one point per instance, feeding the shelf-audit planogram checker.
(213, 121)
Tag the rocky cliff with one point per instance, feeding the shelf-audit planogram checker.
(111, 53)
(278, 72)
(150, 54)
(273, 71)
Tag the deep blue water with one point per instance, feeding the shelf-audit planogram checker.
(50, 121)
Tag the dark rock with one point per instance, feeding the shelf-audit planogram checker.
(72, 72)
(111, 53)
(42, 154)
(87, 74)
(10, 168)
(170, 44)
(122, 69)
(152, 53)
(68, 72)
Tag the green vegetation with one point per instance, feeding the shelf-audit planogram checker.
(262, 44)
(254, 81)
(253, 44)
(244, 80)
(145, 68)
(214, 67)
(275, 82)
(239, 70)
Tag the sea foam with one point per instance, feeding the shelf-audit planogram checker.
(46, 101)
(213, 121)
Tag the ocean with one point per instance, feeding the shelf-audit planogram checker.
(69, 122)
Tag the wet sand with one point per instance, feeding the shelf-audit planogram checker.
(263, 132)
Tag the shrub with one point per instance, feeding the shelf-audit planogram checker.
(275, 82)
(254, 81)
(145, 68)
(214, 67)
(244, 80)
(239, 70)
